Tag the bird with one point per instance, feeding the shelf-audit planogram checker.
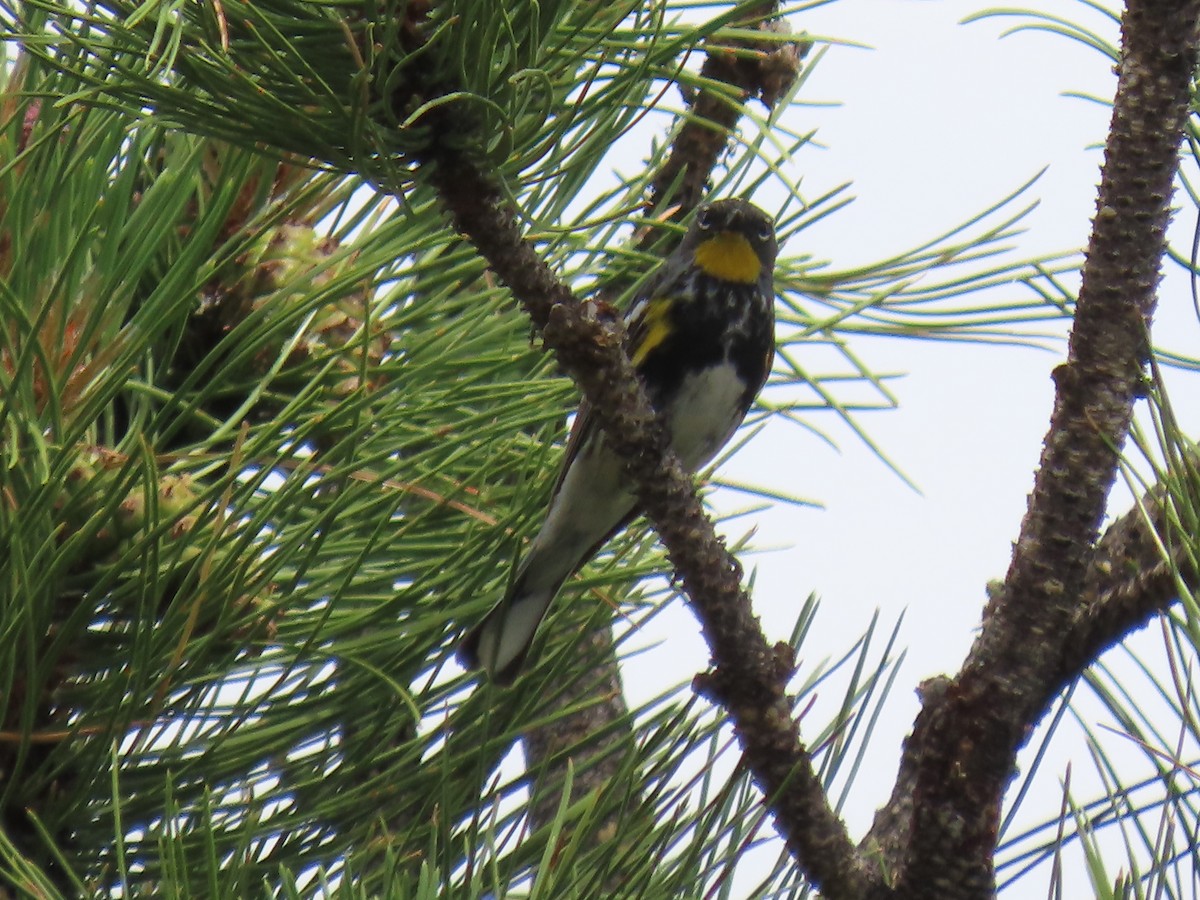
(701, 335)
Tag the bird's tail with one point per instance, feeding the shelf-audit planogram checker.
(500, 643)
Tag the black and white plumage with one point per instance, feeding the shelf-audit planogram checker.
(701, 334)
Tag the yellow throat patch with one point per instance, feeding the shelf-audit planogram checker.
(729, 257)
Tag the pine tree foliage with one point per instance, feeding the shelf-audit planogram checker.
(271, 431)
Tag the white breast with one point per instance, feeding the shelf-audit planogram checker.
(707, 412)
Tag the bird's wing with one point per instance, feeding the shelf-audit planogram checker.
(638, 321)
(581, 430)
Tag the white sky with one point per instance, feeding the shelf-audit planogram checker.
(937, 122)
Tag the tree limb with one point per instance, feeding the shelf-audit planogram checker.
(729, 81)
(937, 834)
(714, 112)
(751, 675)
(586, 722)
(1134, 576)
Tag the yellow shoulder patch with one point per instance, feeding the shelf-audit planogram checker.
(655, 329)
(728, 256)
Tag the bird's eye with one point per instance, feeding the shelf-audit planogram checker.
(704, 218)
(766, 231)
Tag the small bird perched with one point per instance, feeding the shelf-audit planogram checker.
(701, 334)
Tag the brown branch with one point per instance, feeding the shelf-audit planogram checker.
(1129, 581)
(938, 833)
(762, 69)
(714, 111)
(588, 724)
(1132, 578)
(732, 75)
(750, 674)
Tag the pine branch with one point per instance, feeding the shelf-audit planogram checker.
(751, 675)
(938, 832)
(729, 81)
(584, 723)
(1128, 583)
